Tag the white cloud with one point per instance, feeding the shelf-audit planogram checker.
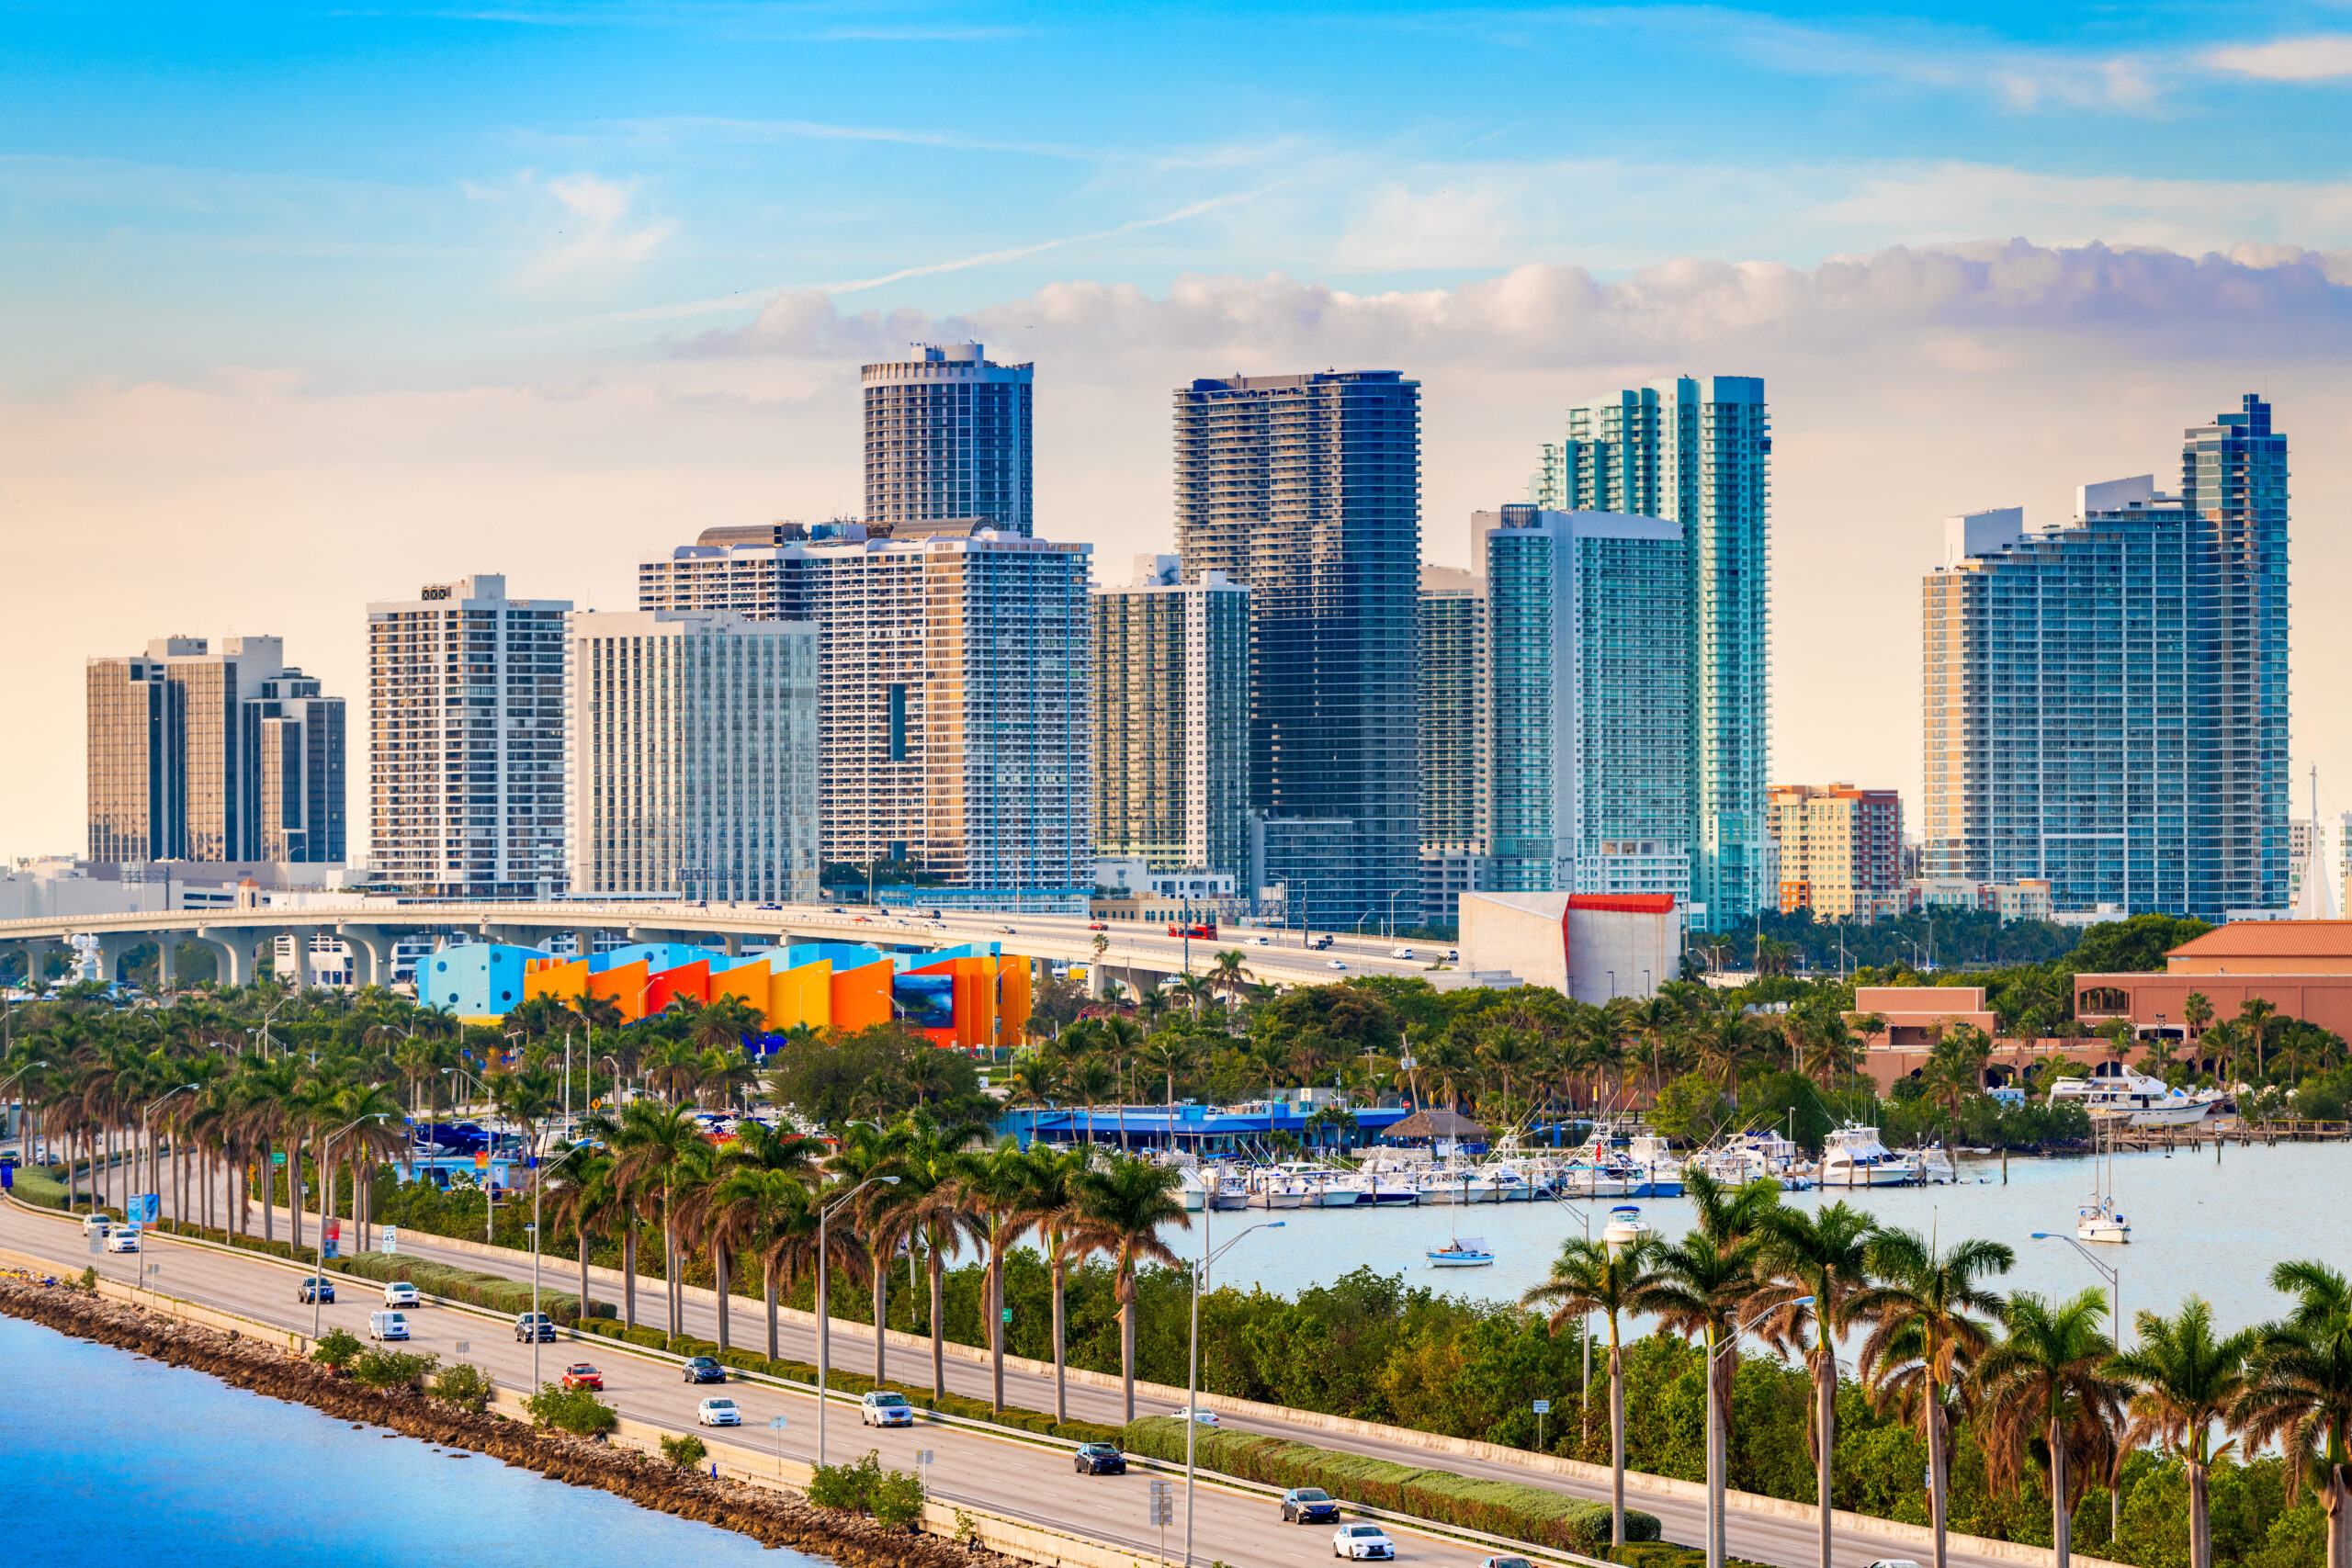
(2320, 57)
(595, 236)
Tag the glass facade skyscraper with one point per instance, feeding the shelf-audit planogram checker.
(2106, 699)
(948, 435)
(1699, 454)
(1455, 754)
(1592, 775)
(1305, 489)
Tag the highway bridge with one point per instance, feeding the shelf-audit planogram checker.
(371, 926)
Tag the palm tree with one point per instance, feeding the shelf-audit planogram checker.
(2187, 1381)
(654, 1140)
(2047, 1380)
(1120, 1210)
(1051, 1208)
(1589, 1276)
(2254, 1014)
(1823, 1255)
(884, 1214)
(794, 1223)
(586, 1198)
(2301, 1394)
(994, 1187)
(928, 1171)
(1927, 1329)
(758, 1212)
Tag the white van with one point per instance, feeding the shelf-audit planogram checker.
(386, 1326)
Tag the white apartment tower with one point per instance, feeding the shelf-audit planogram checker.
(947, 435)
(465, 742)
(694, 756)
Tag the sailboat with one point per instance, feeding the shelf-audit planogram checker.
(2099, 1220)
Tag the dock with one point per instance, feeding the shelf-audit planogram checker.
(2246, 1135)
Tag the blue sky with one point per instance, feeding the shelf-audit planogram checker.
(302, 306)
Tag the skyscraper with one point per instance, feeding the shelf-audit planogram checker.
(2234, 486)
(1305, 488)
(1700, 457)
(215, 757)
(1171, 720)
(947, 435)
(2106, 698)
(1592, 776)
(1839, 850)
(1454, 750)
(953, 689)
(466, 741)
(694, 756)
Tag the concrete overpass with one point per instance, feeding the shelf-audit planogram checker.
(371, 927)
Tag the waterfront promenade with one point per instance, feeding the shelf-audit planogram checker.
(1017, 1479)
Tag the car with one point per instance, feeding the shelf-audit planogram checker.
(1453, 955)
(702, 1368)
(1098, 925)
(1007, 930)
(1338, 963)
(1400, 953)
(883, 1408)
(316, 1286)
(718, 1413)
(1309, 1505)
(770, 905)
(386, 1326)
(1205, 1417)
(1262, 941)
(1100, 1459)
(1505, 1562)
(1361, 1541)
(401, 1293)
(580, 1374)
(1320, 943)
(95, 1224)
(123, 1239)
(1894, 1562)
(531, 1327)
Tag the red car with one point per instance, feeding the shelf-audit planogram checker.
(1099, 926)
(580, 1374)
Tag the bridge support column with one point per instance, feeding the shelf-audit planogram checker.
(167, 945)
(734, 944)
(36, 960)
(371, 953)
(112, 948)
(232, 949)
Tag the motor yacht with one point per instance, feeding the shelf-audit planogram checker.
(1852, 1156)
(2115, 1092)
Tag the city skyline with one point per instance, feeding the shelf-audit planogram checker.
(307, 302)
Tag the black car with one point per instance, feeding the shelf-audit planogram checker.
(1100, 1459)
(1309, 1505)
(702, 1368)
(316, 1287)
(534, 1326)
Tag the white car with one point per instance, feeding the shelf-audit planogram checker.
(401, 1293)
(1894, 1562)
(1361, 1541)
(1205, 1417)
(1400, 953)
(1262, 941)
(95, 1224)
(1336, 963)
(123, 1240)
(718, 1413)
(882, 1409)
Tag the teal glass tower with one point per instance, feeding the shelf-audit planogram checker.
(1590, 633)
(1699, 454)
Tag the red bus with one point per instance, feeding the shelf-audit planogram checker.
(1203, 932)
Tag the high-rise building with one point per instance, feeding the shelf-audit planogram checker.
(953, 689)
(1589, 702)
(1839, 850)
(2106, 698)
(465, 742)
(1700, 455)
(694, 756)
(1171, 720)
(947, 436)
(214, 757)
(2234, 486)
(1454, 752)
(1305, 488)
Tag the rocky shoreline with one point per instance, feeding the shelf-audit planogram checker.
(769, 1516)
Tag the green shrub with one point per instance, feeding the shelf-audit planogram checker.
(338, 1348)
(1086, 1432)
(1517, 1509)
(577, 1411)
(470, 1286)
(847, 1487)
(392, 1368)
(897, 1500)
(685, 1452)
(462, 1384)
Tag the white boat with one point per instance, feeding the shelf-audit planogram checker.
(1624, 1228)
(1276, 1188)
(2099, 1221)
(1195, 1190)
(1852, 1156)
(1462, 1252)
(1934, 1161)
(2114, 1092)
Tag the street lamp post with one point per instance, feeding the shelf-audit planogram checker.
(539, 1180)
(1716, 1458)
(144, 1146)
(24, 1128)
(1392, 912)
(1584, 1329)
(1192, 1375)
(824, 1309)
(319, 1272)
(2111, 1272)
